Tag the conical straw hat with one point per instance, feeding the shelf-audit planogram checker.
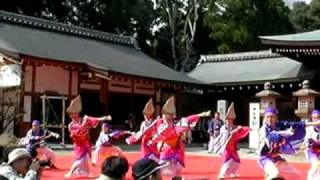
(169, 107)
(231, 114)
(148, 108)
(75, 106)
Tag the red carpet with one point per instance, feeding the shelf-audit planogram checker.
(196, 167)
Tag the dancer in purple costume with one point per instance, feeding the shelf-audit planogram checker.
(312, 141)
(104, 147)
(280, 137)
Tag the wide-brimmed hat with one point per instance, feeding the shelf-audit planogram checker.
(75, 106)
(169, 107)
(18, 154)
(148, 108)
(145, 167)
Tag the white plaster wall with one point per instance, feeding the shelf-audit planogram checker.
(27, 108)
(52, 78)
(28, 79)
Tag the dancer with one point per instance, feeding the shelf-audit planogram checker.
(280, 137)
(167, 136)
(312, 141)
(36, 144)
(79, 133)
(147, 150)
(103, 145)
(226, 144)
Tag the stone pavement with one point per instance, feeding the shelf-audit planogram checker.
(194, 148)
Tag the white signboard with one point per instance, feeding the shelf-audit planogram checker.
(222, 108)
(254, 120)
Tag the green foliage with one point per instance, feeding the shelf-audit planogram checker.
(306, 17)
(237, 24)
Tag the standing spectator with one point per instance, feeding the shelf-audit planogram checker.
(20, 163)
(147, 169)
(214, 125)
(114, 168)
(131, 123)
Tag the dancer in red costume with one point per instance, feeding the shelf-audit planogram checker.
(226, 144)
(79, 132)
(147, 150)
(167, 135)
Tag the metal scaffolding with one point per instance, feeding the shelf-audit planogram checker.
(45, 115)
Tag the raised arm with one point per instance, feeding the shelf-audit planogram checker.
(315, 123)
(143, 130)
(89, 121)
(241, 132)
(185, 123)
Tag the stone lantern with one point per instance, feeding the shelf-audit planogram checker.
(267, 97)
(306, 100)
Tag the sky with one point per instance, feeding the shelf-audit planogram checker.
(290, 2)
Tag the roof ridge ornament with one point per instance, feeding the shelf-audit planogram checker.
(241, 56)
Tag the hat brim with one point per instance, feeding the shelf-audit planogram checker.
(20, 157)
(154, 169)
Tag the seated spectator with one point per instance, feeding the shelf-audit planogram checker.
(147, 169)
(20, 163)
(114, 168)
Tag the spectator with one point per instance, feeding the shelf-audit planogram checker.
(146, 169)
(131, 123)
(214, 126)
(114, 168)
(20, 163)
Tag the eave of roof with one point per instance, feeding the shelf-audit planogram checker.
(311, 38)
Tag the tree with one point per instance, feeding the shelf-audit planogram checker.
(237, 24)
(306, 17)
(10, 94)
(176, 25)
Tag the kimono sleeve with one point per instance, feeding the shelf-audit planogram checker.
(184, 124)
(298, 127)
(241, 133)
(90, 122)
(135, 138)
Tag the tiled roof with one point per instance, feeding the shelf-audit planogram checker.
(248, 68)
(64, 28)
(36, 37)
